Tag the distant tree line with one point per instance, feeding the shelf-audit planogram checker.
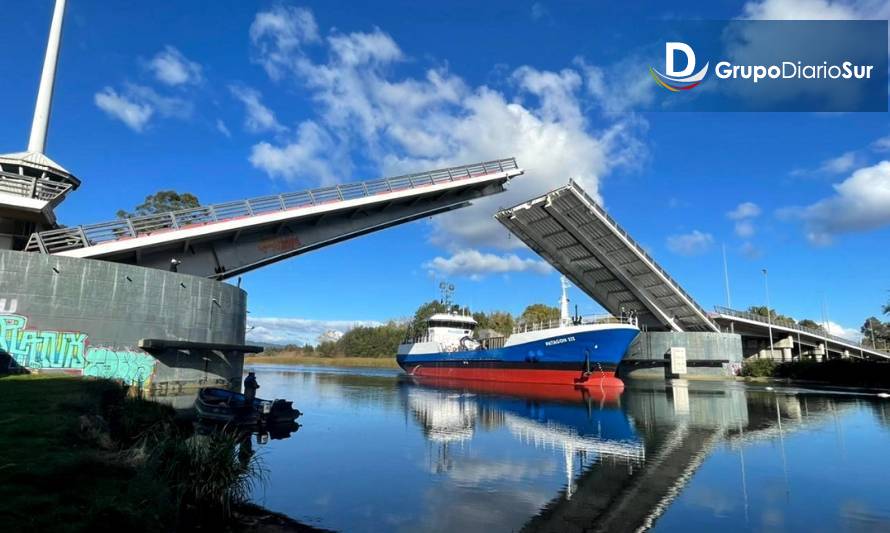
(779, 318)
(384, 340)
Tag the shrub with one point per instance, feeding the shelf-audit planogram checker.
(758, 368)
(206, 474)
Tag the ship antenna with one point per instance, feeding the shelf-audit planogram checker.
(447, 290)
(564, 302)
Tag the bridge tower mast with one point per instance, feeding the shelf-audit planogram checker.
(32, 184)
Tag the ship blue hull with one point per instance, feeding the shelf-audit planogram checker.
(572, 357)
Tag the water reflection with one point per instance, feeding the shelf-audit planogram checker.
(380, 451)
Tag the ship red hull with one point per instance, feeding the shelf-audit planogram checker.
(519, 375)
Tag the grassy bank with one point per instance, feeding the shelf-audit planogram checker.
(843, 372)
(293, 358)
(78, 454)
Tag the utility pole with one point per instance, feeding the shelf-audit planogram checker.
(825, 326)
(37, 142)
(726, 281)
(769, 312)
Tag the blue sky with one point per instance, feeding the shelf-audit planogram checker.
(250, 98)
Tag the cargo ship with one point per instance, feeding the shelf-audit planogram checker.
(567, 351)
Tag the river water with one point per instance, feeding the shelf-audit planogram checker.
(380, 452)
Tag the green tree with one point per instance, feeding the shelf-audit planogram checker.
(873, 330)
(425, 311)
(811, 324)
(776, 317)
(372, 341)
(536, 313)
(328, 349)
(501, 321)
(162, 202)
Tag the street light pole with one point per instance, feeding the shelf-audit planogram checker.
(769, 318)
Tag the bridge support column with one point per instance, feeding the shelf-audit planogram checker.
(784, 347)
(819, 352)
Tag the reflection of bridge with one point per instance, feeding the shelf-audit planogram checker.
(680, 425)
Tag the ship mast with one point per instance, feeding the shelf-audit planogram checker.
(564, 318)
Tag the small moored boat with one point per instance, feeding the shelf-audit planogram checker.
(223, 405)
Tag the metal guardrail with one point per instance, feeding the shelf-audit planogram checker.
(31, 187)
(639, 249)
(821, 333)
(556, 323)
(59, 240)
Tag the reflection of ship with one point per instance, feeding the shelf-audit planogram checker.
(585, 424)
(564, 351)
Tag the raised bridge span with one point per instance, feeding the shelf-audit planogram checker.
(223, 240)
(582, 241)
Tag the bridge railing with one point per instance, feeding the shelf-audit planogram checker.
(821, 333)
(639, 249)
(31, 187)
(556, 323)
(59, 240)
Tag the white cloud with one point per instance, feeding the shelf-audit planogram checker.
(278, 33)
(744, 229)
(476, 264)
(840, 164)
(693, 243)
(137, 104)
(405, 124)
(222, 128)
(817, 9)
(860, 203)
(172, 68)
(275, 330)
(620, 87)
(742, 214)
(852, 334)
(308, 157)
(166, 106)
(882, 144)
(744, 210)
(132, 113)
(540, 11)
(751, 251)
(259, 117)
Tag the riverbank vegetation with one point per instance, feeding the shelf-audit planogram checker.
(844, 372)
(79, 454)
(362, 345)
(298, 357)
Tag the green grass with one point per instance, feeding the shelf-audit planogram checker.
(288, 358)
(78, 454)
(52, 475)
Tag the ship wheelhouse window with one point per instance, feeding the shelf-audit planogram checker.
(452, 324)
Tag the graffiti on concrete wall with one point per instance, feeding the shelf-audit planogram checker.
(37, 349)
(8, 305)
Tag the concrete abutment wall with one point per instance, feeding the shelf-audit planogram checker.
(86, 317)
(707, 354)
